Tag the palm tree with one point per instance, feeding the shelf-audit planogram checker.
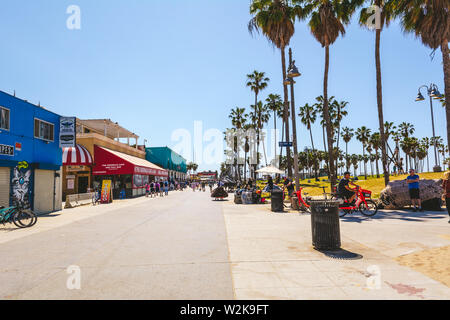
(405, 131)
(338, 114)
(276, 19)
(328, 18)
(319, 109)
(375, 142)
(347, 136)
(354, 159)
(308, 116)
(425, 142)
(275, 104)
(385, 18)
(257, 81)
(429, 20)
(362, 135)
(238, 118)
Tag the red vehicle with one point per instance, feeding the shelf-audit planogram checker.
(363, 204)
(303, 203)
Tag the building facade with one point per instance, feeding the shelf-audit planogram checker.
(169, 160)
(30, 155)
(104, 152)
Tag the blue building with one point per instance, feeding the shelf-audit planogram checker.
(168, 159)
(30, 155)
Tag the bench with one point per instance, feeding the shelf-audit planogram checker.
(76, 200)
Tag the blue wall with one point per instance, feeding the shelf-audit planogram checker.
(42, 154)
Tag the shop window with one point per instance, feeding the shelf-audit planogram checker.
(44, 130)
(4, 118)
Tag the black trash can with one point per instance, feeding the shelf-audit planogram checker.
(276, 201)
(237, 197)
(325, 229)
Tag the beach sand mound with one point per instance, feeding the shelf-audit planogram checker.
(434, 263)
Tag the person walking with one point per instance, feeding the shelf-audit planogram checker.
(147, 190)
(270, 183)
(166, 188)
(157, 187)
(446, 195)
(152, 189)
(414, 191)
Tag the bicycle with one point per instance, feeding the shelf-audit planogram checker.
(17, 215)
(364, 204)
(303, 204)
(96, 198)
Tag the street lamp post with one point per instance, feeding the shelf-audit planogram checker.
(291, 74)
(432, 92)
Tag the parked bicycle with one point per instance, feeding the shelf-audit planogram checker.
(304, 203)
(22, 218)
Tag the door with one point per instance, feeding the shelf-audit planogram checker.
(5, 179)
(83, 184)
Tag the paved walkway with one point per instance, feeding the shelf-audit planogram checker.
(186, 246)
(272, 256)
(164, 248)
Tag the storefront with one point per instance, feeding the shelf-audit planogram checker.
(30, 155)
(126, 172)
(77, 163)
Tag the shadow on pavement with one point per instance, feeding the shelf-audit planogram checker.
(404, 215)
(341, 254)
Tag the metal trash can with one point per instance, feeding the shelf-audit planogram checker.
(237, 197)
(325, 229)
(247, 197)
(276, 201)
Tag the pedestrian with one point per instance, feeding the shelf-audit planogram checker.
(161, 189)
(152, 189)
(157, 187)
(147, 190)
(289, 186)
(446, 195)
(166, 188)
(270, 183)
(414, 191)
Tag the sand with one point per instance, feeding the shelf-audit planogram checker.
(434, 263)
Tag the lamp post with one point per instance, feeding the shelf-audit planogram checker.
(291, 74)
(432, 92)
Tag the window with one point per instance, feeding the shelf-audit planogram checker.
(4, 118)
(43, 130)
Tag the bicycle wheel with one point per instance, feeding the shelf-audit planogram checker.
(370, 210)
(24, 219)
(343, 212)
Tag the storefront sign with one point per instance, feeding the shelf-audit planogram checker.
(6, 150)
(70, 184)
(106, 191)
(67, 135)
(18, 146)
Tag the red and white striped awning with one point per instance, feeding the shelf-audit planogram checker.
(76, 156)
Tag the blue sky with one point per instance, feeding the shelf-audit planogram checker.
(158, 65)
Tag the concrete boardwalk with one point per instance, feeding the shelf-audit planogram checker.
(186, 246)
(164, 248)
(273, 258)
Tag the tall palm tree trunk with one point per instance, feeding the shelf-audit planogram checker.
(446, 63)
(275, 132)
(346, 157)
(326, 115)
(286, 111)
(380, 107)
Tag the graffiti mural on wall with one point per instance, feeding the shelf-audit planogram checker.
(21, 185)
